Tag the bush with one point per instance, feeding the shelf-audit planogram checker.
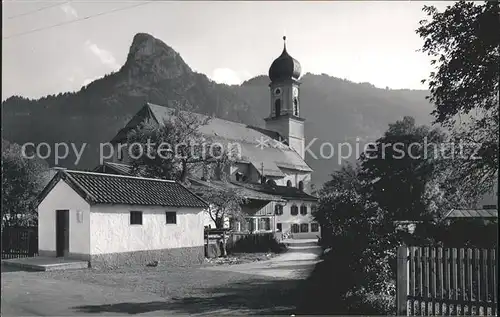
(342, 285)
(251, 243)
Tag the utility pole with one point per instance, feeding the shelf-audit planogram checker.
(262, 172)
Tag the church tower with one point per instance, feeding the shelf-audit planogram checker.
(285, 101)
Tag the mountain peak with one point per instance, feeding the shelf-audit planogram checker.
(151, 57)
(147, 46)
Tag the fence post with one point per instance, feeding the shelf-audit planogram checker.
(402, 282)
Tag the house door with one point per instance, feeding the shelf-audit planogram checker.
(62, 232)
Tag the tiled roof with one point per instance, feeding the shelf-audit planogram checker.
(472, 213)
(274, 156)
(99, 188)
(249, 190)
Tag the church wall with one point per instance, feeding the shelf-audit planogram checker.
(295, 177)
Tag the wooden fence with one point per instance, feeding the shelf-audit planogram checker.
(19, 242)
(446, 281)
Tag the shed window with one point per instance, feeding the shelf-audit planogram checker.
(304, 227)
(294, 210)
(136, 217)
(171, 217)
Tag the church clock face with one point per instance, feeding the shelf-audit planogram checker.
(295, 91)
(277, 91)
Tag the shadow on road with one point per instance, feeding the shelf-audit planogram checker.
(251, 297)
(8, 268)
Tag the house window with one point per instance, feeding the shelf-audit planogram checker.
(301, 186)
(295, 228)
(288, 183)
(294, 210)
(171, 217)
(314, 227)
(279, 226)
(136, 217)
(304, 227)
(264, 224)
(303, 210)
(248, 225)
(278, 210)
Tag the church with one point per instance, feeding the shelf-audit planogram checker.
(271, 171)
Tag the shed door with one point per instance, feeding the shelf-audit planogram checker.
(62, 232)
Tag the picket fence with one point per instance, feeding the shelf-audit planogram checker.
(446, 281)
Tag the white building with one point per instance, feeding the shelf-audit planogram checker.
(112, 220)
(275, 178)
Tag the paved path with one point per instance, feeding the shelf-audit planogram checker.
(297, 263)
(267, 287)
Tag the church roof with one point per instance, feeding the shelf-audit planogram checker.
(284, 67)
(246, 192)
(259, 147)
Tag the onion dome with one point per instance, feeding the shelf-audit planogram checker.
(284, 67)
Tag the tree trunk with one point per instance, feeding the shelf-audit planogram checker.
(219, 223)
(183, 172)
(224, 246)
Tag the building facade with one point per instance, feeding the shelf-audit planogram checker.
(113, 220)
(270, 167)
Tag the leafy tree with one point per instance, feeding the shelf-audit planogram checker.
(22, 180)
(464, 44)
(225, 202)
(176, 148)
(400, 170)
(356, 276)
(399, 179)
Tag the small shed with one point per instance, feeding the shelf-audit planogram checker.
(487, 214)
(484, 215)
(113, 220)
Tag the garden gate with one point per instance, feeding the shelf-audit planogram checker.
(19, 242)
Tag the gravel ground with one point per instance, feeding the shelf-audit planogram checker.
(165, 281)
(209, 289)
(191, 290)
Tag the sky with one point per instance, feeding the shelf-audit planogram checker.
(372, 41)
